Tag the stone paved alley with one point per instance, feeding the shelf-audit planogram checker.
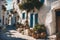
(12, 34)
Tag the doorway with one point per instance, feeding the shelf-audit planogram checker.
(58, 23)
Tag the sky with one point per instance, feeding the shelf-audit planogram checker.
(9, 4)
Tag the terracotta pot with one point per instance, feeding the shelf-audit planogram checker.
(29, 33)
(42, 35)
(33, 35)
(38, 36)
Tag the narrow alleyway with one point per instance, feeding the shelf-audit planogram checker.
(8, 35)
(12, 34)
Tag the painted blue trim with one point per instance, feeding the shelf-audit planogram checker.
(23, 15)
(42, 1)
(36, 18)
(31, 20)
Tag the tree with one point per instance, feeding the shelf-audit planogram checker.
(30, 5)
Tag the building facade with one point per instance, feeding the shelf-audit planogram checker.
(3, 12)
(46, 15)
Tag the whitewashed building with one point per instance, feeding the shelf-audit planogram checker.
(48, 14)
(2, 13)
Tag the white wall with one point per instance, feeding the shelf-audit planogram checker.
(1, 3)
(46, 15)
(51, 20)
(42, 14)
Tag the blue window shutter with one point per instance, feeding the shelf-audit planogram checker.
(36, 18)
(31, 20)
(23, 15)
(42, 1)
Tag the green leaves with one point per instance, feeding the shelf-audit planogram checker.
(30, 4)
(21, 6)
(40, 28)
(3, 8)
(38, 5)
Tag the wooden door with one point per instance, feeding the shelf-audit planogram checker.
(58, 24)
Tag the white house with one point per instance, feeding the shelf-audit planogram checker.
(2, 13)
(48, 15)
(40, 15)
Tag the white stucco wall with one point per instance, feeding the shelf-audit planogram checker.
(46, 15)
(50, 23)
(42, 14)
(2, 2)
(51, 20)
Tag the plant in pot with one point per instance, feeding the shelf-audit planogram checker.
(21, 27)
(37, 26)
(40, 31)
(31, 32)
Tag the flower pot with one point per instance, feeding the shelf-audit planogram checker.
(42, 35)
(38, 36)
(34, 35)
(29, 33)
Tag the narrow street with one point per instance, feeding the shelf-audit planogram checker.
(29, 19)
(12, 34)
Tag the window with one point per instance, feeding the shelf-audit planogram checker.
(0, 20)
(36, 18)
(42, 1)
(23, 15)
(3, 20)
(31, 20)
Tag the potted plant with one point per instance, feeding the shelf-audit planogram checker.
(40, 31)
(36, 30)
(31, 31)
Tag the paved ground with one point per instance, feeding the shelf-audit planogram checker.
(12, 34)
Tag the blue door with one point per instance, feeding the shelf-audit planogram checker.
(36, 18)
(23, 15)
(31, 20)
(42, 1)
